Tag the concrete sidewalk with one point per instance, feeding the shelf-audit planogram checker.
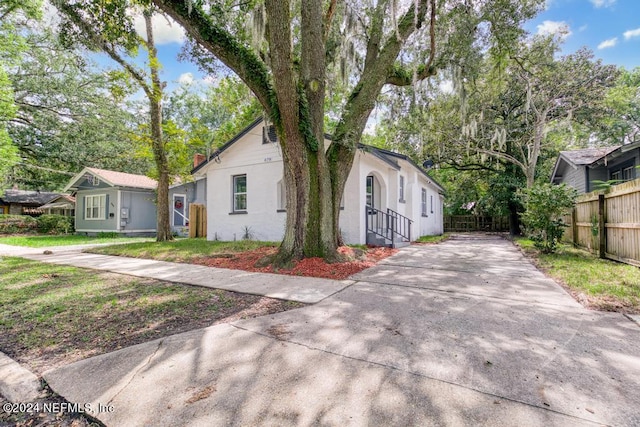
(462, 333)
(301, 289)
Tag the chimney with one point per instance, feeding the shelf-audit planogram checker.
(198, 159)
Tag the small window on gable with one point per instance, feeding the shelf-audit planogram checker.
(240, 193)
(95, 180)
(269, 134)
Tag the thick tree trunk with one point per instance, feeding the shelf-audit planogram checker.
(292, 91)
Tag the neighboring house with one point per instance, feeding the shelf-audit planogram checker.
(246, 193)
(23, 202)
(108, 201)
(580, 168)
(64, 204)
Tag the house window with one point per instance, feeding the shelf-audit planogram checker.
(424, 202)
(401, 189)
(628, 174)
(95, 206)
(269, 135)
(240, 193)
(623, 172)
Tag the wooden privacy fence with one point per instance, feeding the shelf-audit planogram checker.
(197, 220)
(475, 223)
(608, 224)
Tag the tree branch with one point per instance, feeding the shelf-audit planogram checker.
(375, 34)
(239, 58)
(374, 76)
(101, 43)
(401, 77)
(328, 19)
(504, 156)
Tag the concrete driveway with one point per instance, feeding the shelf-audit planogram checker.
(467, 332)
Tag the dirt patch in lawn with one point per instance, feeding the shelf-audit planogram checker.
(66, 314)
(55, 315)
(356, 261)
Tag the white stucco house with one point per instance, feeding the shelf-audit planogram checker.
(388, 199)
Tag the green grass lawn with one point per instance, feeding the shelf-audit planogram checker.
(433, 239)
(40, 241)
(182, 250)
(56, 314)
(607, 285)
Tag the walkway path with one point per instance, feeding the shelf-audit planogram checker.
(301, 289)
(467, 332)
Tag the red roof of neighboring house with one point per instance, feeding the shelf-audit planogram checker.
(121, 179)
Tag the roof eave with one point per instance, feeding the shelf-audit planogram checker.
(228, 144)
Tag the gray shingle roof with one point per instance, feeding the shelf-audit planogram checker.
(27, 197)
(587, 156)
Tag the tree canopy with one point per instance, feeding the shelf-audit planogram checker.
(69, 115)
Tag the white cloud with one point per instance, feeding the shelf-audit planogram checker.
(559, 28)
(165, 30)
(583, 28)
(632, 33)
(210, 79)
(603, 3)
(185, 78)
(608, 43)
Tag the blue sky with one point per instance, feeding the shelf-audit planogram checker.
(610, 28)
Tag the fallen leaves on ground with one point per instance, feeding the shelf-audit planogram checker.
(357, 260)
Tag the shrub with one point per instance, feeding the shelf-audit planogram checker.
(545, 205)
(17, 224)
(107, 235)
(55, 224)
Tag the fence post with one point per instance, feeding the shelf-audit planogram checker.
(601, 226)
(574, 226)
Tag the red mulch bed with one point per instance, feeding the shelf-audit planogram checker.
(309, 267)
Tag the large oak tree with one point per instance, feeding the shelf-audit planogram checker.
(296, 51)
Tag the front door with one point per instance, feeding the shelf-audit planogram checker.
(179, 209)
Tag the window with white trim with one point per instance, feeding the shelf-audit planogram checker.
(240, 193)
(424, 202)
(95, 206)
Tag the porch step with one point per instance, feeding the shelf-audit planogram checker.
(402, 244)
(377, 240)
